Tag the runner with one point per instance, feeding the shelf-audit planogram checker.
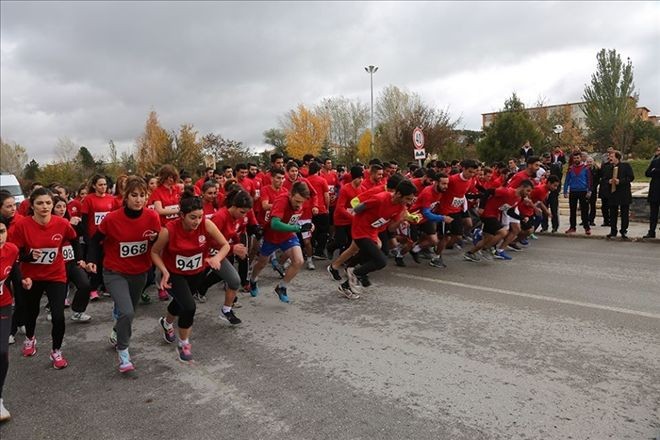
(9, 271)
(210, 198)
(524, 208)
(373, 215)
(310, 209)
(40, 239)
(321, 220)
(280, 233)
(343, 217)
(124, 237)
(182, 254)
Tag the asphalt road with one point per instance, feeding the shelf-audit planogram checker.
(561, 343)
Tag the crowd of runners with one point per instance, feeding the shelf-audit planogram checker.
(226, 228)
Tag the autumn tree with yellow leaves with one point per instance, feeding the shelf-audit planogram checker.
(152, 145)
(305, 131)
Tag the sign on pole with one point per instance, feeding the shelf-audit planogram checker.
(418, 138)
(420, 154)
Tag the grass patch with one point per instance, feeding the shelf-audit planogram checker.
(639, 167)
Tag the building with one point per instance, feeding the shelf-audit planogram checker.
(574, 109)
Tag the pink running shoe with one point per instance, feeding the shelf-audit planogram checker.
(58, 360)
(67, 303)
(30, 347)
(125, 364)
(185, 352)
(163, 295)
(93, 295)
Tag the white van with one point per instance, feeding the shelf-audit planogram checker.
(9, 182)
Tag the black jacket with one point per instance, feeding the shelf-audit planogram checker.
(653, 171)
(623, 194)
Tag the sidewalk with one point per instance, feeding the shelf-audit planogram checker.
(636, 231)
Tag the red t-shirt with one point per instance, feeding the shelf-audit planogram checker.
(368, 193)
(368, 184)
(228, 225)
(283, 210)
(29, 235)
(186, 250)
(168, 197)
(209, 209)
(419, 184)
(347, 193)
(8, 256)
(518, 178)
(247, 185)
(503, 199)
(379, 212)
(538, 194)
(321, 187)
(428, 198)
(127, 241)
(24, 207)
(333, 184)
(15, 219)
(268, 195)
(453, 199)
(74, 208)
(96, 207)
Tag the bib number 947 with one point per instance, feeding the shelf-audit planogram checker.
(184, 263)
(132, 248)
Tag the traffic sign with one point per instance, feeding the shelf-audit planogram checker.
(418, 138)
(420, 154)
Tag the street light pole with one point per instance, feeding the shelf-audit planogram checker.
(371, 70)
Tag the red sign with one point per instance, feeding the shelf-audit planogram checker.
(418, 138)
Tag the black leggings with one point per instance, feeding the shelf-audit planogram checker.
(342, 239)
(80, 279)
(320, 234)
(371, 256)
(183, 305)
(56, 293)
(5, 326)
(653, 217)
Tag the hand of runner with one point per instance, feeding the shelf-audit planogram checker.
(240, 250)
(91, 268)
(214, 262)
(82, 264)
(74, 221)
(27, 283)
(448, 219)
(36, 253)
(165, 281)
(315, 211)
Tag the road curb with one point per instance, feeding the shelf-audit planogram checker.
(598, 237)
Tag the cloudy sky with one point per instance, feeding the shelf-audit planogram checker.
(92, 71)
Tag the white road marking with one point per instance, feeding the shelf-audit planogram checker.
(533, 296)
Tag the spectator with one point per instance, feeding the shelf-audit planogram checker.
(618, 192)
(595, 180)
(577, 188)
(526, 151)
(653, 171)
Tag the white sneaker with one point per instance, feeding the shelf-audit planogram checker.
(4, 414)
(12, 339)
(49, 317)
(21, 329)
(80, 317)
(310, 264)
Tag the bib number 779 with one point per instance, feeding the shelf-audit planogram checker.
(47, 256)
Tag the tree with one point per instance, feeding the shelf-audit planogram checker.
(510, 129)
(31, 170)
(364, 146)
(65, 149)
(305, 131)
(399, 112)
(13, 157)
(85, 161)
(189, 149)
(127, 162)
(225, 151)
(547, 118)
(153, 146)
(646, 138)
(276, 138)
(64, 173)
(610, 102)
(348, 120)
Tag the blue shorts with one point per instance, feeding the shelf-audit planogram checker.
(268, 248)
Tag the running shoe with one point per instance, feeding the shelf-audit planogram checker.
(93, 295)
(67, 303)
(334, 273)
(486, 254)
(245, 288)
(353, 281)
(125, 364)
(30, 347)
(470, 256)
(12, 339)
(570, 231)
(310, 264)
(113, 337)
(281, 294)
(534, 236)
(277, 267)
(587, 231)
(477, 235)
(437, 262)
(4, 414)
(364, 281)
(254, 289)
(49, 317)
(514, 247)
(80, 317)
(104, 293)
(58, 360)
(399, 262)
(168, 330)
(426, 254)
(347, 292)
(163, 295)
(415, 256)
(185, 352)
(146, 299)
(524, 242)
(229, 317)
(236, 304)
(199, 298)
(501, 255)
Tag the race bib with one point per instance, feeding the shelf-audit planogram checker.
(99, 216)
(184, 263)
(208, 216)
(294, 219)
(47, 256)
(457, 202)
(257, 193)
(213, 252)
(170, 216)
(505, 207)
(380, 222)
(267, 216)
(67, 253)
(331, 190)
(132, 248)
(434, 205)
(2, 286)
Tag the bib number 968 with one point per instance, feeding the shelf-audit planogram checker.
(132, 249)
